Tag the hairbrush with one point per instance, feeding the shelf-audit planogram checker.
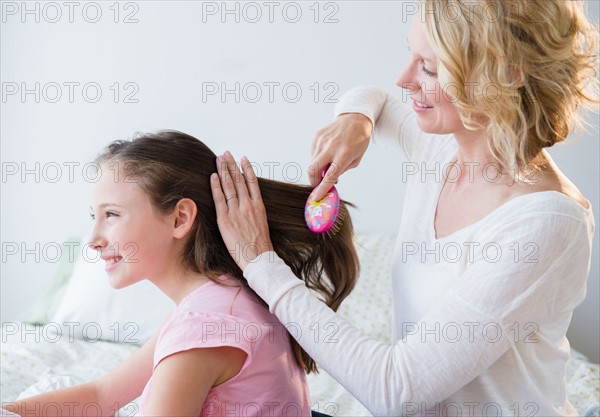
(326, 215)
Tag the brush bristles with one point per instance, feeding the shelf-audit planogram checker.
(338, 222)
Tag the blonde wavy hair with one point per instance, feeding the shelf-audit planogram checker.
(519, 69)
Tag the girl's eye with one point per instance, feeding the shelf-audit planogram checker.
(426, 71)
(108, 214)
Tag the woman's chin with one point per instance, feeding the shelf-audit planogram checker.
(425, 126)
(432, 129)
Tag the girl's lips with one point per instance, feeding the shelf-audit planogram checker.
(112, 263)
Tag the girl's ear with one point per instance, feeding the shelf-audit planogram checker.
(184, 215)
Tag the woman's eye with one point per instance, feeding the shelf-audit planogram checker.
(426, 71)
(92, 216)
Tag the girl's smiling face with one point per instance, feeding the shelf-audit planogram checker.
(132, 237)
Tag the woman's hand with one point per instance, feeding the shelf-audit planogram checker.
(241, 214)
(341, 143)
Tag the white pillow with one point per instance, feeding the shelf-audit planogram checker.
(93, 310)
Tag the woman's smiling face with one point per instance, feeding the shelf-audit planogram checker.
(435, 110)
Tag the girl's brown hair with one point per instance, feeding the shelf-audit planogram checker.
(171, 165)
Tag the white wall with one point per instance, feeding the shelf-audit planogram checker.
(162, 60)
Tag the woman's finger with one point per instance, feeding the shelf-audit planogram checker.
(218, 196)
(229, 191)
(238, 179)
(315, 145)
(342, 143)
(331, 178)
(322, 155)
(251, 179)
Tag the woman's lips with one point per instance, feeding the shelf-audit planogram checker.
(420, 107)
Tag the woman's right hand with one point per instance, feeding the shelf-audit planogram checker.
(341, 144)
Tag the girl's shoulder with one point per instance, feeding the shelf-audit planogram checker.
(227, 296)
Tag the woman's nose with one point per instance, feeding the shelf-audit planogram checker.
(407, 80)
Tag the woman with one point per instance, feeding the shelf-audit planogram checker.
(492, 258)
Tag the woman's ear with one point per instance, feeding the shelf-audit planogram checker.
(184, 215)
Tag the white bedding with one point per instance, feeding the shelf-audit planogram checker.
(29, 367)
(41, 360)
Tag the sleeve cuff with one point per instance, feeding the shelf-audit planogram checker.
(364, 100)
(360, 110)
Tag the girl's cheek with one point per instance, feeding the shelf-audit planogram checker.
(130, 252)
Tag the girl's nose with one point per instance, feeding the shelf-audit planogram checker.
(96, 241)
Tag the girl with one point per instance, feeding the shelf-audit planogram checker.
(492, 259)
(220, 351)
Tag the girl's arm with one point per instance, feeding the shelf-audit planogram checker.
(108, 393)
(126, 382)
(181, 381)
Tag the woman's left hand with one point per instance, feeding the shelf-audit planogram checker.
(241, 214)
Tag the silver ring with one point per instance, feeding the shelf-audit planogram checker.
(229, 198)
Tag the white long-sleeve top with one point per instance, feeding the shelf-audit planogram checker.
(480, 316)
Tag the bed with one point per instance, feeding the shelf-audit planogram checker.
(80, 328)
